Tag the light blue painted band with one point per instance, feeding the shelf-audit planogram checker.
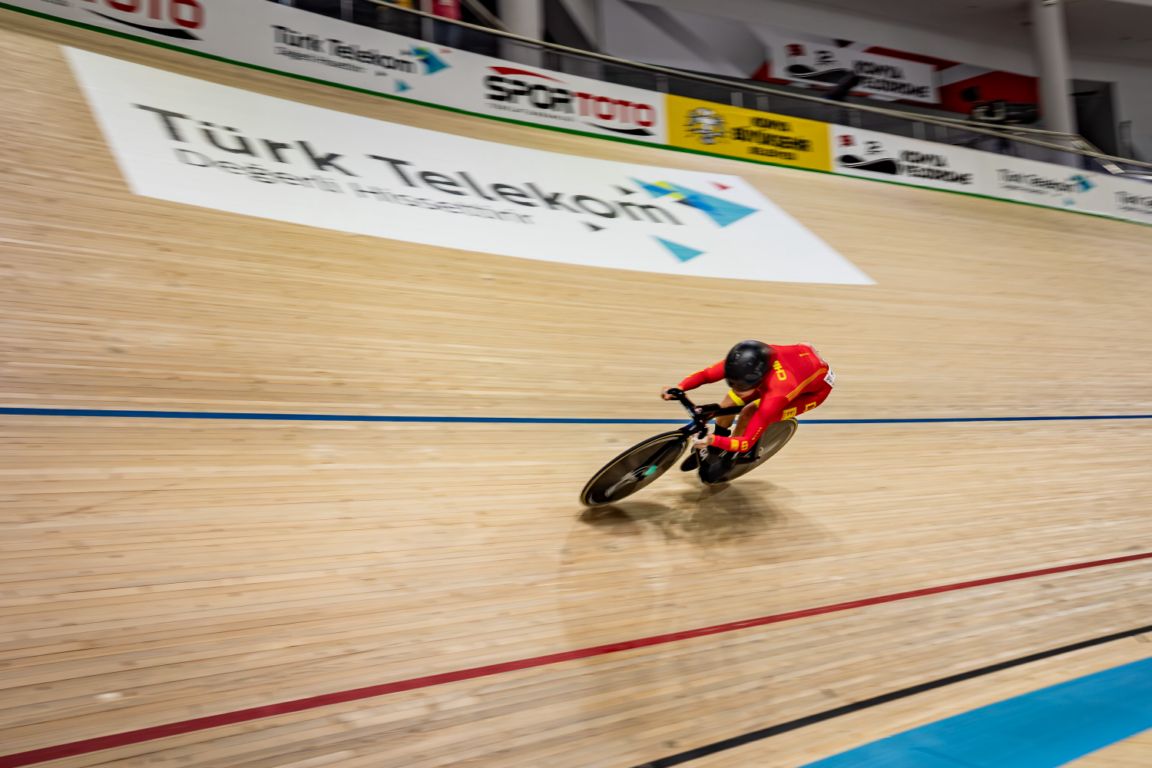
(1042, 729)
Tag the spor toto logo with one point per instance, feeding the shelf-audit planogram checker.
(524, 90)
(171, 18)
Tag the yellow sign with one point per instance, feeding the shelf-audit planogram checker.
(706, 126)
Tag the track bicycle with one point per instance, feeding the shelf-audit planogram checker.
(641, 464)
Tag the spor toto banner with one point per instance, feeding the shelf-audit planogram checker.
(191, 141)
(302, 43)
(747, 134)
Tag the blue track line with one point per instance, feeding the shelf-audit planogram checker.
(240, 416)
(321, 417)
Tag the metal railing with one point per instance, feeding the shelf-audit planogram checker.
(1016, 140)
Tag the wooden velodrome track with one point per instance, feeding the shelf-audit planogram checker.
(156, 571)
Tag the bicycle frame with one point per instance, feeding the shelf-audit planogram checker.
(701, 414)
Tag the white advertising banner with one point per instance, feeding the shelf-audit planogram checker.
(814, 61)
(290, 40)
(1130, 200)
(1056, 186)
(298, 42)
(190, 141)
(881, 156)
(328, 49)
(884, 157)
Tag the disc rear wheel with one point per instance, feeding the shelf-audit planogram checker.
(774, 438)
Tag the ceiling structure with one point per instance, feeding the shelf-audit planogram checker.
(1110, 30)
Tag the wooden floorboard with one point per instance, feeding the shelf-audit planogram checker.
(153, 571)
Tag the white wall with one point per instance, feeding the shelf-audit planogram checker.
(1132, 97)
(709, 43)
(1006, 46)
(586, 14)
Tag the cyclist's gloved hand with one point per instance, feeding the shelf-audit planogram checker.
(664, 393)
(703, 442)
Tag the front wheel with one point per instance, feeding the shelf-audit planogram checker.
(633, 469)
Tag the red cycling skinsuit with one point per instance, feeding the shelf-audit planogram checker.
(797, 382)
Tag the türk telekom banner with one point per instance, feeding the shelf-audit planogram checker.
(302, 43)
(1055, 186)
(1130, 200)
(191, 141)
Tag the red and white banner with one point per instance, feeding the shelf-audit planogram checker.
(646, 30)
(809, 60)
(448, 9)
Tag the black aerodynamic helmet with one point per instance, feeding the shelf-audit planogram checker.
(747, 364)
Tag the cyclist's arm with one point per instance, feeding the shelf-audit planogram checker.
(709, 375)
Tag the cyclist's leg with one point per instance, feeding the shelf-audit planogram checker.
(801, 405)
(729, 400)
(692, 461)
(719, 462)
(808, 400)
(744, 417)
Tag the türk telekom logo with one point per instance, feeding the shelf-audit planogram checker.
(521, 90)
(1069, 189)
(172, 18)
(1134, 203)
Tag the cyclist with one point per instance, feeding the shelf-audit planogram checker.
(772, 381)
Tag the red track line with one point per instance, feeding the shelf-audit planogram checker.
(126, 738)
